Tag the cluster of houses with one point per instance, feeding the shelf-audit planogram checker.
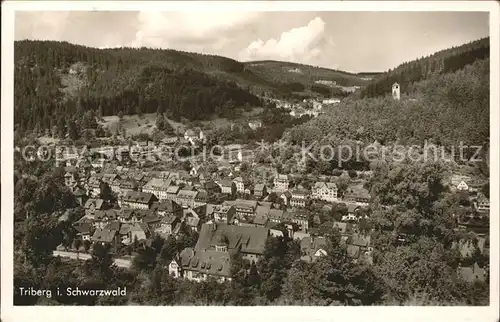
(168, 203)
(311, 106)
(472, 188)
(165, 203)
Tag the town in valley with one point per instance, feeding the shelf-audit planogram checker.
(193, 179)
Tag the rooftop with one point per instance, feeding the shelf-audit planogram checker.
(207, 262)
(138, 197)
(104, 235)
(248, 239)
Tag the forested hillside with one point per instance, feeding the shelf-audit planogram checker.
(445, 109)
(442, 62)
(65, 80)
(286, 72)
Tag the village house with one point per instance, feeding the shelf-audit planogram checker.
(200, 265)
(212, 187)
(113, 225)
(462, 186)
(460, 182)
(106, 237)
(357, 194)
(194, 135)
(127, 185)
(153, 220)
(240, 186)
(281, 183)
(192, 219)
(170, 141)
(352, 210)
(104, 217)
(263, 208)
(186, 198)
(158, 187)
(244, 208)
(260, 190)
(130, 215)
(249, 241)
(245, 216)
(358, 248)
(201, 198)
(167, 225)
(71, 177)
(299, 197)
(472, 273)
(331, 101)
(109, 178)
(325, 191)
(227, 187)
(482, 203)
(194, 171)
(80, 194)
(167, 207)
(248, 190)
(476, 185)
(124, 233)
(139, 231)
(183, 177)
(172, 192)
(233, 153)
(115, 186)
(84, 231)
(92, 205)
(138, 200)
(342, 227)
(286, 197)
(255, 124)
(299, 218)
(312, 248)
(94, 186)
(275, 215)
(174, 269)
(297, 235)
(223, 213)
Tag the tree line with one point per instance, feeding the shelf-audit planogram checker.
(445, 110)
(446, 61)
(50, 90)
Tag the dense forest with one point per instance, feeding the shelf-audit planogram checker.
(56, 78)
(65, 80)
(445, 109)
(283, 72)
(442, 62)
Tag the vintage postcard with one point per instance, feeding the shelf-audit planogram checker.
(250, 160)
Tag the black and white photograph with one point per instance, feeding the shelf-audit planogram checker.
(239, 157)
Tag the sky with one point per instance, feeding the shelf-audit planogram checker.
(349, 41)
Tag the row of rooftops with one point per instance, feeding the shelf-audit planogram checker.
(157, 206)
(257, 212)
(162, 180)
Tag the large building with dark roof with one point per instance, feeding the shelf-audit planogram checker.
(196, 265)
(138, 200)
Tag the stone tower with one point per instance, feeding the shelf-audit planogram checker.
(395, 91)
